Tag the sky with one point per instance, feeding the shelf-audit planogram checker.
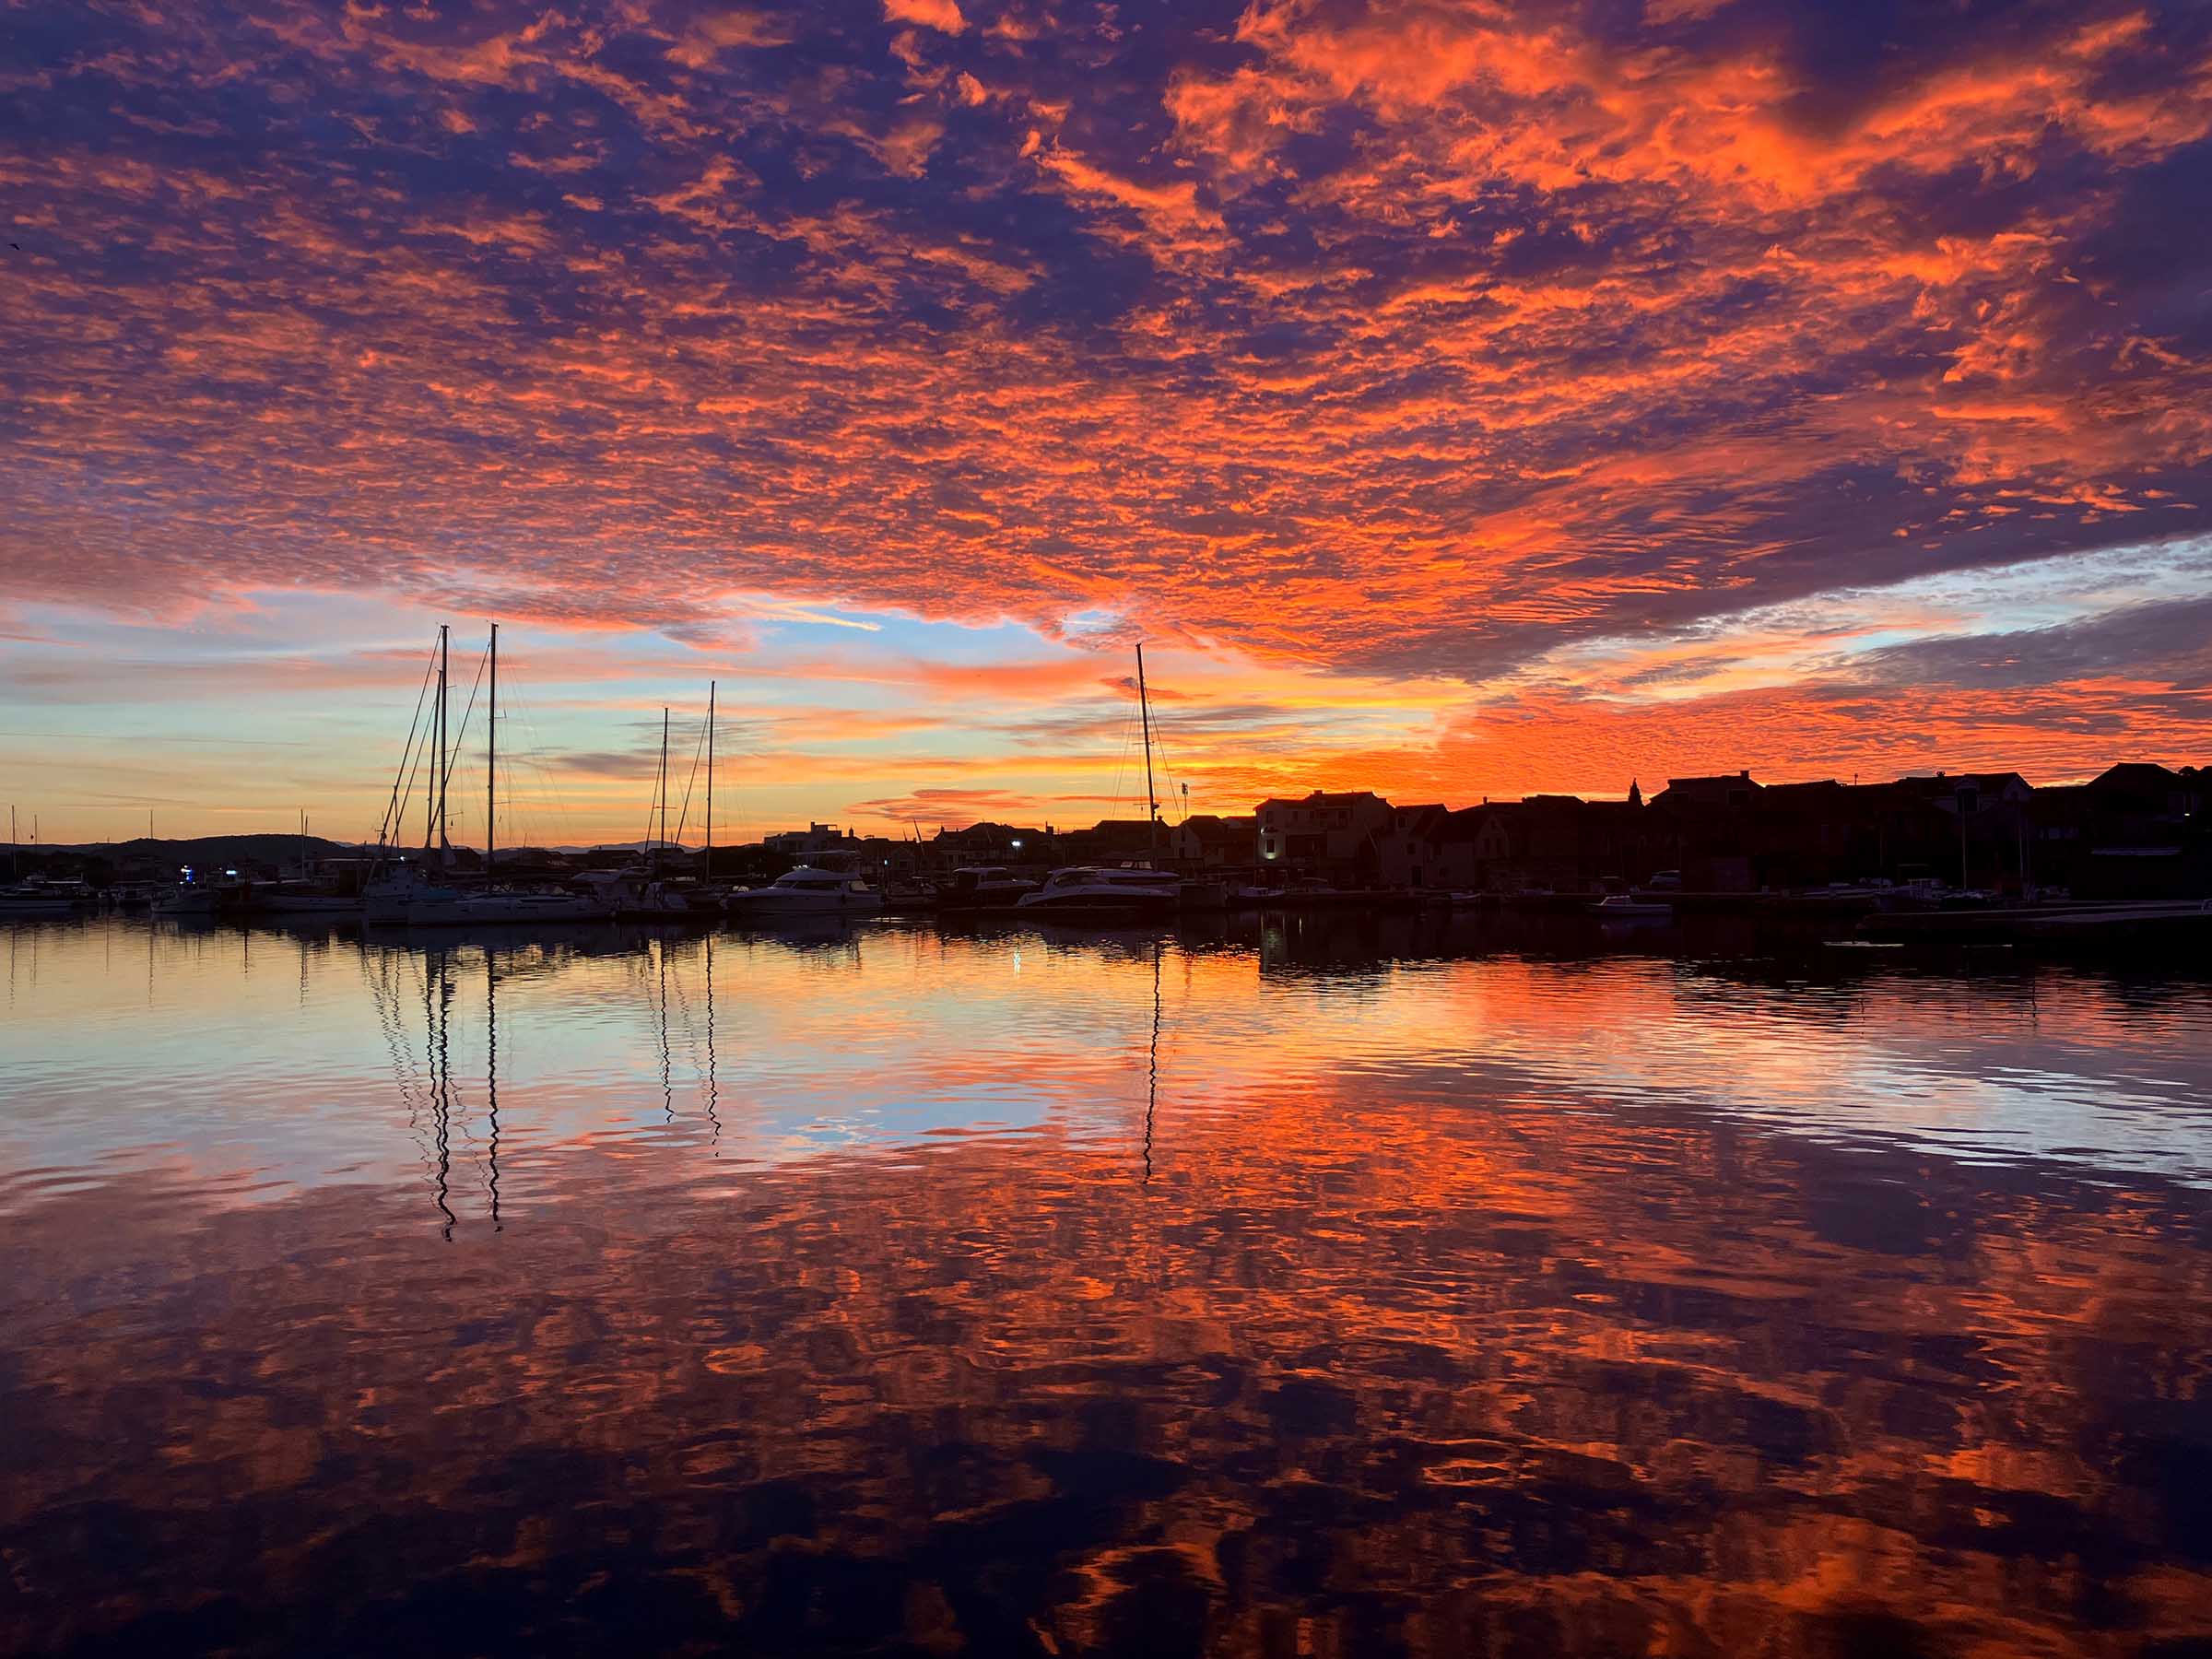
(1459, 400)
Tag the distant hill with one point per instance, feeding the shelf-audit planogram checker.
(212, 850)
(270, 851)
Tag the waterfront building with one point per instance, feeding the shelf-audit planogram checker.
(1328, 832)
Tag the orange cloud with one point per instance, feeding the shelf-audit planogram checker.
(943, 15)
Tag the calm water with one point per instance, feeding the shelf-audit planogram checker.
(1299, 1290)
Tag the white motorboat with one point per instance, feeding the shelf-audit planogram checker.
(445, 908)
(391, 897)
(1090, 889)
(806, 891)
(1624, 907)
(639, 895)
(410, 896)
(191, 899)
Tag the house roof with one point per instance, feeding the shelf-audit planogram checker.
(1324, 797)
(2136, 774)
(1944, 783)
(1424, 823)
(1212, 827)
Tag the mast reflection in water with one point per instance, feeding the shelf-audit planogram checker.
(894, 1292)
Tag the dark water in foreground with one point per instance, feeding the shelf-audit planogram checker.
(893, 1292)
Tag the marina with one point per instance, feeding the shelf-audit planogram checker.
(1747, 848)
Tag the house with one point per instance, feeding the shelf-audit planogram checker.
(1517, 846)
(1411, 854)
(1817, 833)
(1724, 791)
(2144, 791)
(881, 857)
(1621, 842)
(2135, 830)
(1563, 842)
(1970, 794)
(1328, 832)
(1114, 841)
(1988, 814)
(989, 844)
(805, 843)
(1209, 842)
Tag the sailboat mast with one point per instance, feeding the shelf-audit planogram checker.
(1144, 708)
(491, 758)
(445, 650)
(706, 861)
(661, 840)
(429, 793)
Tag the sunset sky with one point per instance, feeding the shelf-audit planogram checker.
(1459, 399)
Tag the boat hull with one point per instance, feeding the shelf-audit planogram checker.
(739, 908)
(503, 911)
(1077, 905)
(986, 901)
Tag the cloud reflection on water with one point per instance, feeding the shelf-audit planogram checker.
(1460, 1305)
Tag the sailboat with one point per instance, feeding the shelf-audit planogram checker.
(390, 894)
(500, 906)
(706, 898)
(646, 895)
(1099, 890)
(410, 895)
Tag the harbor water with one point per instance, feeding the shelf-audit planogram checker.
(1289, 1287)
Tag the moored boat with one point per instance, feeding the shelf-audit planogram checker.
(389, 897)
(1090, 889)
(446, 907)
(301, 899)
(983, 888)
(1201, 893)
(193, 899)
(806, 891)
(1626, 907)
(639, 895)
(36, 898)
